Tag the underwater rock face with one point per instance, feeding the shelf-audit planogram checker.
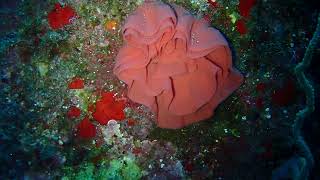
(65, 115)
(291, 169)
(175, 64)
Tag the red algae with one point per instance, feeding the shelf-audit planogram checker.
(108, 108)
(85, 129)
(259, 102)
(213, 3)
(131, 122)
(261, 87)
(76, 83)
(245, 7)
(60, 16)
(241, 27)
(188, 166)
(137, 150)
(73, 112)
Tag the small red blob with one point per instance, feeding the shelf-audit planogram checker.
(86, 129)
(241, 27)
(137, 150)
(207, 18)
(189, 167)
(285, 95)
(245, 7)
(213, 3)
(108, 108)
(73, 112)
(131, 122)
(259, 102)
(76, 83)
(60, 16)
(261, 87)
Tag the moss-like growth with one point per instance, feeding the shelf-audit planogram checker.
(125, 168)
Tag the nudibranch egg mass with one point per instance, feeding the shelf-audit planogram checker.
(175, 64)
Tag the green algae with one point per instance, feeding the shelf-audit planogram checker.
(117, 169)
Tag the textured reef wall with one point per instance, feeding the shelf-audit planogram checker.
(65, 115)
